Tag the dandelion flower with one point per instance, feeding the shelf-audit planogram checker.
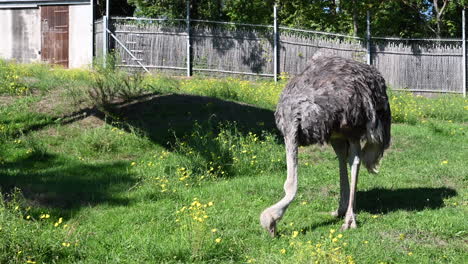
(410, 253)
(283, 251)
(295, 234)
(332, 231)
(366, 242)
(444, 162)
(214, 230)
(218, 240)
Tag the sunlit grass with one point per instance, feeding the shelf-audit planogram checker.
(103, 189)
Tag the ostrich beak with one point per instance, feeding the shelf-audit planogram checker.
(272, 230)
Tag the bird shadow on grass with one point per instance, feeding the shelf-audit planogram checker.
(46, 180)
(383, 201)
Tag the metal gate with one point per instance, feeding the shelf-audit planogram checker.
(54, 26)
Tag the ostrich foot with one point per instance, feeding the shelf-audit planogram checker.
(349, 222)
(338, 213)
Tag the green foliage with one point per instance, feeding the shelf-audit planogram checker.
(408, 108)
(30, 235)
(23, 79)
(111, 84)
(93, 190)
(408, 18)
(227, 153)
(10, 82)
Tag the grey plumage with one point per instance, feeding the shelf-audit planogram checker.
(338, 101)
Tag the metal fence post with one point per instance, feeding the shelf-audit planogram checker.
(104, 39)
(464, 52)
(275, 43)
(189, 62)
(368, 38)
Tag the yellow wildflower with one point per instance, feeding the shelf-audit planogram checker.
(218, 240)
(65, 244)
(295, 234)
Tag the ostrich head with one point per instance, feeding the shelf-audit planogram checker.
(269, 218)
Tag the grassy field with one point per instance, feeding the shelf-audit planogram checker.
(101, 167)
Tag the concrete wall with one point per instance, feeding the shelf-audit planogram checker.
(20, 31)
(80, 36)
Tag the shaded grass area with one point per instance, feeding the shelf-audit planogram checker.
(133, 183)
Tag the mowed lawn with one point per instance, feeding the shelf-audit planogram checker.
(179, 171)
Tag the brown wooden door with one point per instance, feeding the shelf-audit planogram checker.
(54, 25)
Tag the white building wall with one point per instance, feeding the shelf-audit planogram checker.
(20, 34)
(80, 36)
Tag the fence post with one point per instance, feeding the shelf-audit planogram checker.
(189, 62)
(104, 39)
(464, 52)
(275, 43)
(368, 38)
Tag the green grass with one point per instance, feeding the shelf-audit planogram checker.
(146, 183)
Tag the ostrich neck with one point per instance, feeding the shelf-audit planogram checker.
(290, 185)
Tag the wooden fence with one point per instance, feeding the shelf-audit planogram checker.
(433, 66)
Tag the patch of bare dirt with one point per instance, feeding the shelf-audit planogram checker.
(49, 103)
(7, 100)
(89, 122)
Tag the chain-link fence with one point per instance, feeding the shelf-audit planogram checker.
(420, 65)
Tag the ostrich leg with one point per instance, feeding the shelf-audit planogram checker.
(341, 149)
(273, 214)
(354, 160)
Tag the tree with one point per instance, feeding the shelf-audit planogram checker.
(400, 18)
(117, 8)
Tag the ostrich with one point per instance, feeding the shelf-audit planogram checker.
(337, 101)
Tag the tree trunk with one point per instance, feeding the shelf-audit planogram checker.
(355, 22)
(438, 15)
